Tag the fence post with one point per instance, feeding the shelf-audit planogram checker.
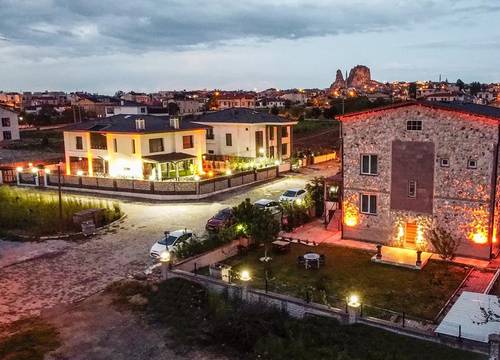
(195, 268)
(459, 332)
(403, 319)
(361, 311)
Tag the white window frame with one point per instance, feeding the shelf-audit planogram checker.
(412, 183)
(369, 210)
(469, 166)
(370, 156)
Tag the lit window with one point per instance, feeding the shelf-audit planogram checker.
(445, 162)
(412, 188)
(414, 125)
(369, 204)
(472, 164)
(187, 142)
(369, 164)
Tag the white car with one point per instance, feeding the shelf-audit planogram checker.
(292, 195)
(271, 205)
(169, 242)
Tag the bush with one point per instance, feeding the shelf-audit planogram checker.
(199, 245)
(37, 213)
(444, 243)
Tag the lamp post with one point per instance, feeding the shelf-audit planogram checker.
(59, 192)
(245, 278)
(353, 308)
(165, 264)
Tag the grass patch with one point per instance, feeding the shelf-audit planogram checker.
(418, 293)
(36, 213)
(196, 317)
(28, 339)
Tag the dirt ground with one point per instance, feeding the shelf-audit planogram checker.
(95, 330)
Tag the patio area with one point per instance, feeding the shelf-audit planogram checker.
(347, 271)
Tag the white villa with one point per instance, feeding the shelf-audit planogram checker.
(243, 132)
(135, 146)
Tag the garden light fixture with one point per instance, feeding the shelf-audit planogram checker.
(79, 173)
(19, 169)
(165, 256)
(245, 275)
(353, 300)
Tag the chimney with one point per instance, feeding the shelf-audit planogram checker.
(175, 122)
(140, 124)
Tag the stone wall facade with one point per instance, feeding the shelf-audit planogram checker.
(461, 199)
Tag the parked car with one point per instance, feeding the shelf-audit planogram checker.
(273, 206)
(292, 195)
(170, 241)
(221, 220)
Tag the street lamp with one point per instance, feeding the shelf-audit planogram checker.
(245, 278)
(353, 301)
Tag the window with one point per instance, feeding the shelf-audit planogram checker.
(5, 122)
(133, 146)
(445, 163)
(98, 141)
(115, 145)
(412, 188)
(414, 125)
(369, 164)
(187, 142)
(369, 204)
(284, 131)
(110, 110)
(155, 145)
(271, 133)
(79, 143)
(284, 149)
(471, 164)
(210, 134)
(271, 151)
(210, 151)
(143, 110)
(229, 140)
(7, 135)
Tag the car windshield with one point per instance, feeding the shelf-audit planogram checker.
(290, 193)
(167, 240)
(222, 215)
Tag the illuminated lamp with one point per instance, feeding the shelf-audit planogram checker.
(47, 171)
(479, 238)
(19, 169)
(353, 301)
(210, 173)
(228, 172)
(79, 173)
(245, 276)
(197, 178)
(34, 170)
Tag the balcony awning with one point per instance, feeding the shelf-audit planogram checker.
(171, 157)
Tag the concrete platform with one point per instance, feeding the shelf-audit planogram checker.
(402, 257)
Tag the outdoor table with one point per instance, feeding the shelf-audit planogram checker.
(311, 258)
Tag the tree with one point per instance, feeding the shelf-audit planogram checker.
(475, 87)
(330, 112)
(412, 91)
(173, 108)
(314, 113)
(316, 188)
(460, 84)
(264, 228)
(444, 243)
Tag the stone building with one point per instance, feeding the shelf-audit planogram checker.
(416, 166)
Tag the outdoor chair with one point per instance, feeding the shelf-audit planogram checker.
(301, 261)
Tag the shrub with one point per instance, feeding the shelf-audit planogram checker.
(444, 243)
(37, 213)
(210, 241)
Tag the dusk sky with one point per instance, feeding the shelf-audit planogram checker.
(148, 45)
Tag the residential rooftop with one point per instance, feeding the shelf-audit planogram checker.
(241, 116)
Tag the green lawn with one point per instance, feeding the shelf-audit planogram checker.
(418, 293)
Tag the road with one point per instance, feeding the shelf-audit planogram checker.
(85, 268)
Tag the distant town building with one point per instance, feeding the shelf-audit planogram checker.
(138, 97)
(235, 101)
(9, 124)
(126, 107)
(268, 103)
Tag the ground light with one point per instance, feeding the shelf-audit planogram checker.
(79, 173)
(196, 178)
(353, 300)
(228, 172)
(19, 169)
(47, 171)
(245, 276)
(165, 264)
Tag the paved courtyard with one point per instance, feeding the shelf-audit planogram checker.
(80, 269)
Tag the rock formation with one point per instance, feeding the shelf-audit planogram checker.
(339, 81)
(359, 76)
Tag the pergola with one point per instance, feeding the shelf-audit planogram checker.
(171, 159)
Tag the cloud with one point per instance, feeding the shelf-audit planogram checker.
(92, 27)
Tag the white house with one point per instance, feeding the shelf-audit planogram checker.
(243, 132)
(9, 124)
(126, 107)
(135, 146)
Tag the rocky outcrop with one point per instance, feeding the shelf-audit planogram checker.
(359, 76)
(339, 82)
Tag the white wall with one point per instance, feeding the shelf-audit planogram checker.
(14, 124)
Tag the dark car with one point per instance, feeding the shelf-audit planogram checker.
(221, 220)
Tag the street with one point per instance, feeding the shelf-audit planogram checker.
(84, 268)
